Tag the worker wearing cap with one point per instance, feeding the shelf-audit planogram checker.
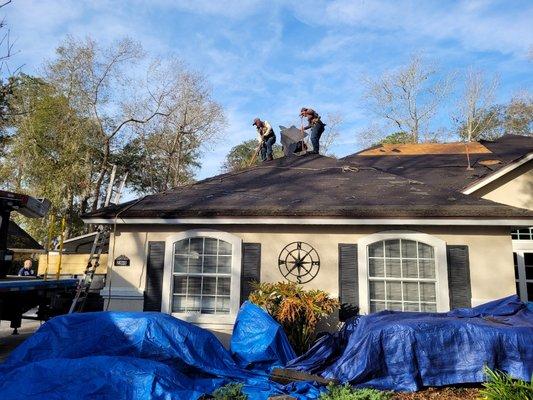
(316, 125)
(267, 138)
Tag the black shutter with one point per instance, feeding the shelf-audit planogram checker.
(251, 268)
(348, 281)
(459, 276)
(154, 276)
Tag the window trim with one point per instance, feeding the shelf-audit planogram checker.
(441, 265)
(166, 302)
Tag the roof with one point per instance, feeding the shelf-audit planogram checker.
(18, 238)
(445, 164)
(308, 186)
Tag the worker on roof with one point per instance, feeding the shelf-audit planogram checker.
(316, 125)
(267, 138)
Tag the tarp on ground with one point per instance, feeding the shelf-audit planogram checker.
(258, 341)
(130, 355)
(406, 351)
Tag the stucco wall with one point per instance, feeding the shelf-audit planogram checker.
(514, 189)
(490, 250)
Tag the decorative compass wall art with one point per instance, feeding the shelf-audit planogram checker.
(299, 262)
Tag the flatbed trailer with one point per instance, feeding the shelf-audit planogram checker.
(18, 295)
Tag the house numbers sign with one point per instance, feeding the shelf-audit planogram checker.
(299, 262)
(122, 261)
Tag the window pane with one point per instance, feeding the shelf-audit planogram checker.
(427, 291)
(377, 290)
(428, 307)
(392, 248)
(394, 291)
(208, 304)
(222, 305)
(425, 251)
(376, 306)
(529, 272)
(209, 286)
(224, 264)
(180, 263)
(194, 285)
(180, 285)
(394, 306)
(197, 245)
(410, 269)
(410, 291)
(195, 264)
(408, 248)
(393, 268)
(376, 267)
(411, 307)
(223, 286)
(529, 287)
(210, 246)
(178, 303)
(528, 259)
(210, 264)
(375, 249)
(193, 303)
(224, 248)
(427, 269)
(181, 247)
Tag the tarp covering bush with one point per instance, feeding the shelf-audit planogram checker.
(123, 355)
(406, 351)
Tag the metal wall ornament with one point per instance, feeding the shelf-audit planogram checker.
(299, 262)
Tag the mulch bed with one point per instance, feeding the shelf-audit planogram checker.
(448, 393)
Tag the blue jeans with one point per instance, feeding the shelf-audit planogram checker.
(316, 132)
(266, 148)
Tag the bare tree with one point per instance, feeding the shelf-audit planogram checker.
(101, 84)
(331, 134)
(407, 98)
(169, 145)
(477, 114)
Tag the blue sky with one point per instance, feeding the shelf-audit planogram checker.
(269, 58)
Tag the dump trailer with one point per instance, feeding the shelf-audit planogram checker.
(19, 294)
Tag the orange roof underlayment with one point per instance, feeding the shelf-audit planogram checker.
(410, 149)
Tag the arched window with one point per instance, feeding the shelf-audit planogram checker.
(402, 271)
(202, 274)
(402, 276)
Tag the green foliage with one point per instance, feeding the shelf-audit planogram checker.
(346, 392)
(296, 309)
(231, 391)
(501, 386)
(398, 138)
(240, 156)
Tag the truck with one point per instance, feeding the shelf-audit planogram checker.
(19, 294)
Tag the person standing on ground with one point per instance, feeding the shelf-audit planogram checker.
(27, 269)
(267, 138)
(316, 125)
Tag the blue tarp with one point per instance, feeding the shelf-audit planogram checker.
(406, 351)
(126, 355)
(130, 355)
(258, 342)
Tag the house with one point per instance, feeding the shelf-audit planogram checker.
(499, 170)
(375, 239)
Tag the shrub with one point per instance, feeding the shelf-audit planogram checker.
(346, 392)
(296, 309)
(501, 386)
(231, 391)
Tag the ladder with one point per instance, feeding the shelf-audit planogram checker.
(84, 287)
(103, 233)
